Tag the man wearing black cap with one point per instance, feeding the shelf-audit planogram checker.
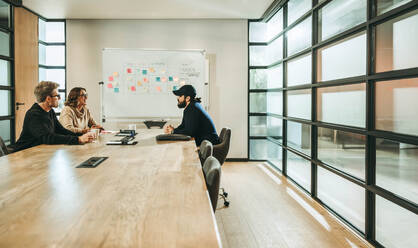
(196, 121)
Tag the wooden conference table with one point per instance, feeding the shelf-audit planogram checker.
(152, 194)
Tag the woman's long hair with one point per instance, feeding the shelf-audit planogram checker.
(72, 99)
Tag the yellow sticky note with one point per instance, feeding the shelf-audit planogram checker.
(115, 74)
(139, 83)
(151, 69)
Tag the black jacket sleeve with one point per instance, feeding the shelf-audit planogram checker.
(190, 124)
(40, 128)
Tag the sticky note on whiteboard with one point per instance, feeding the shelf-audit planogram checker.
(129, 70)
(109, 85)
(144, 72)
(116, 90)
(133, 88)
(115, 74)
(158, 88)
(158, 79)
(111, 78)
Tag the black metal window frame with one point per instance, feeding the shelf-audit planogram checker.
(369, 131)
(40, 42)
(10, 30)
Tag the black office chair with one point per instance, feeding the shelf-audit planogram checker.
(3, 149)
(212, 172)
(205, 150)
(220, 151)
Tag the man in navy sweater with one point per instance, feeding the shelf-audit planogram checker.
(196, 121)
(41, 125)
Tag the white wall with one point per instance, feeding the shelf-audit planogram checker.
(225, 41)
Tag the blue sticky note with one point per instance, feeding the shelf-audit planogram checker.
(144, 72)
(116, 90)
(170, 78)
(158, 79)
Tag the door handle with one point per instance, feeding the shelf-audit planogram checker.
(19, 104)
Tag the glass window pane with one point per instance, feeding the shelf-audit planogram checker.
(275, 77)
(4, 44)
(258, 55)
(299, 37)
(384, 6)
(257, 32)
(397, 106)
(52, 55)
(258, 125)
(396, 43)
(397, 168)
(340, 15)
(296, 9)
(299, 137)
(345, 105)
(4, 14)
(275, 103)
(54, 75)
(60, 103)
(342, 150)
(258, 79)
(258, 103)
(5, 102)
(299, 104)
(5, 73)
(275, 25)
(51, 31)
(258, 149)
(299, 70)
(342, 196)
(346, 58)
(299, 169)
(395, 226)
(275, 128)
(276, 155)
(5, 131)
(275, 50)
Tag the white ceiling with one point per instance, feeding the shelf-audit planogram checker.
(149, 9)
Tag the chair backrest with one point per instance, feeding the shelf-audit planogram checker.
(212, 172)
(3, 148)
(205, 150)
(220, 151)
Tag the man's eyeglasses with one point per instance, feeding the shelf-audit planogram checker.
(86, 95)
(58, 96)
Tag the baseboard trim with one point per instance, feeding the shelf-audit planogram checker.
(237, 160)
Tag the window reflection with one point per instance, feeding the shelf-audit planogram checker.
(346, 58)
(342, 150)
(299, 136)
(397, 106)
(396, 43)
(299, 169)
(258, 125)
(397, 168)
(345, 105)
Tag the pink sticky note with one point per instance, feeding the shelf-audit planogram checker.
(158, 88)
(145, 80)
(129, 70)
(164, 79)
(111, 78)
(133, 88)
(176, 79)
(109, 85)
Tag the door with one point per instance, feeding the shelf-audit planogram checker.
(26, 63)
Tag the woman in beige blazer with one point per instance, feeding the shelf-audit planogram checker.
(75, 116)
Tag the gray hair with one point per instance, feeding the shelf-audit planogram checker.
(44, 89)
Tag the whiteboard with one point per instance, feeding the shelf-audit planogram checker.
(138, 83)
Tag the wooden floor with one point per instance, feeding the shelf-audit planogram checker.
(268, 211)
